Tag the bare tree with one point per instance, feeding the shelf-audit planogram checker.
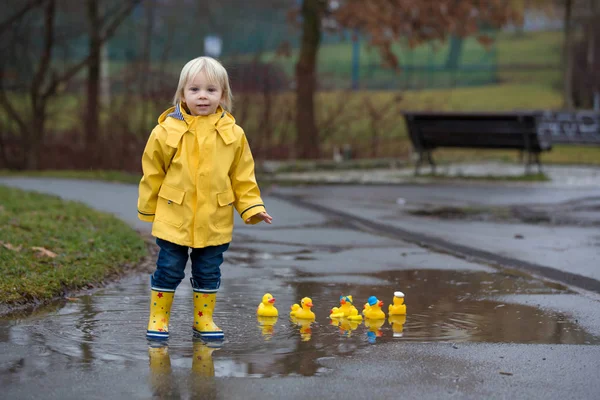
(47, 77)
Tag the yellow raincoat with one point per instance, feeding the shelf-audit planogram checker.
(195, 169)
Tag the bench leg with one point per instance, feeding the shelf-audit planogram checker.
(539, 163)
(431, 162)
(418, 163)
(528, 164)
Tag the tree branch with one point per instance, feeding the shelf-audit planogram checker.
(19, 14)
(109, 32)
(43, 65)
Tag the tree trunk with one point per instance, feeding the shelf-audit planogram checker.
(568, 59)
(35, 137)
(92, 120)
(307, 136)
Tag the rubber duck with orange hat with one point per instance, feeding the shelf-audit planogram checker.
(346, 310)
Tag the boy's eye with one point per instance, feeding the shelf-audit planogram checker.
(212, 90)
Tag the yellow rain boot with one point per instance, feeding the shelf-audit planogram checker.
(160, 311)
(204, 306)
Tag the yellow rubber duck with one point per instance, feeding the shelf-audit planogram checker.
(373, 309)
(267, 326)
(266, 307)
(398, 308)
(302, 311)
(397, 322)
(346, 309)
(354, 316)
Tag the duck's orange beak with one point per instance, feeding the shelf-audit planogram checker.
(308, 304)
(380, 304)
(272, 300)
(343, 301)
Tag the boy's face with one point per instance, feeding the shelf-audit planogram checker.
(202, 96)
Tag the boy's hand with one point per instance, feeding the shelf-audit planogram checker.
(262, 216)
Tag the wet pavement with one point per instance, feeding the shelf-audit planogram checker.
(569, 241)
(470, 331)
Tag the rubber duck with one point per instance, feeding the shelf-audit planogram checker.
(373, 309)
(266, 307)
(398, 308)
(346, 308)
(354, 316)
(302, 311)
(267, 326)
(397, 322)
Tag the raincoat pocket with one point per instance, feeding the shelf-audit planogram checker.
(224, 214)
(170, 205)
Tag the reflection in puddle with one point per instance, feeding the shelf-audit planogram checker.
(441, 305)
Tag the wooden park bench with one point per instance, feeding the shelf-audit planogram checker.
(529, 132)
(431, 130)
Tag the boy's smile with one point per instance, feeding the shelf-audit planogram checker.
(202, 96)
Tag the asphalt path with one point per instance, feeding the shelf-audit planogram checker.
(336, 251)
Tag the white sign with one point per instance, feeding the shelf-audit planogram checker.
(565, 127)
(213, 46)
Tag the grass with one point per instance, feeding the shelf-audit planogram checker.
(559, 155)
(50, 247)
(94, 175)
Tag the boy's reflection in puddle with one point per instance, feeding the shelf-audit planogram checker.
(202, 373)
(161, 379)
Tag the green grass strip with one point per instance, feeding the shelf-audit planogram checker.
(76, 247)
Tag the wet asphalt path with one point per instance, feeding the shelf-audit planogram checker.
(472, 331)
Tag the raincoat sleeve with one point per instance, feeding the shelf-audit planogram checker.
(153, 167)
(248, 202)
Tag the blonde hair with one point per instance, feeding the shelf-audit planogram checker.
(214, 71)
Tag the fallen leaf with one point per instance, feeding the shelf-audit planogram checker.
(44, 252)
(11, 247)
(72, 298)
(506, 373)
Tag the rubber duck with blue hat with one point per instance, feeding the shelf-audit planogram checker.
(372, 309)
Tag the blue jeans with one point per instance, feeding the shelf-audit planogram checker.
(172, 258)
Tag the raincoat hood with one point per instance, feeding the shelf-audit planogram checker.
(176, 120)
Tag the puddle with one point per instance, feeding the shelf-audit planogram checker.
(442, 305)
